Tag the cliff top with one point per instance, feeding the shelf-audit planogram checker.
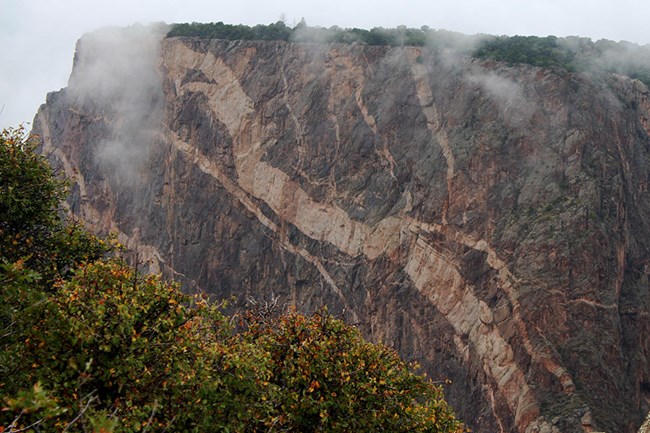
(575, 54)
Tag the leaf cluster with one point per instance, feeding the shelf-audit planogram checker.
(324, 377)
(31, 227)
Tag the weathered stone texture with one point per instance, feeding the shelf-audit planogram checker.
(489, 221)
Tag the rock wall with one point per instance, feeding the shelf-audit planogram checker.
(488, 221)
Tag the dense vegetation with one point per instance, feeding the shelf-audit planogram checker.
(271, 32)
(571, 53)
(574, 54)
(531, 50)
(303, 33)
(89, 345)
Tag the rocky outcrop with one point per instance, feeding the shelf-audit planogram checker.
(488, 221)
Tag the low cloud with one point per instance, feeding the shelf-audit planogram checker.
(116, 76)
(604, 56)
(453, 42)
(508, 96)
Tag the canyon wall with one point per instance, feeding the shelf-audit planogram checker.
(488, 221)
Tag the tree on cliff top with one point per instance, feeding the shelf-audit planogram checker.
(89, 345)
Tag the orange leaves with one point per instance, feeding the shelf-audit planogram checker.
(313, 386)
(325, 376)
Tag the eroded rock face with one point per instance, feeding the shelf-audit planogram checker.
(487, 221)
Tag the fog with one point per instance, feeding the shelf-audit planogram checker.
(117, 69)
(509, 98)
(116, 76)
(37, 37)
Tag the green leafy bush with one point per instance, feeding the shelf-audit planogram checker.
(324, 377)
(31, 228)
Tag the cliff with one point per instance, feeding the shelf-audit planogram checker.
(486, 220)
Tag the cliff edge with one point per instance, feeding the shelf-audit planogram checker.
(488, 221)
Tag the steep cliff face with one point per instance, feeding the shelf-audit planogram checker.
(488, 221)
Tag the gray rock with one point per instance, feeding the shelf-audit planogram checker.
(488, 221)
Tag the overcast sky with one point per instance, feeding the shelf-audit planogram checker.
(37, 37)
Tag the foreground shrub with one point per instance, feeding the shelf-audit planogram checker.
(324, 377)
(89, 345)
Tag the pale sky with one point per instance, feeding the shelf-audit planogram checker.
(37, 37)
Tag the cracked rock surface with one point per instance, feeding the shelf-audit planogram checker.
(488, 221)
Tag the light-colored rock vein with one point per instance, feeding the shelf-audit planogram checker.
(211, 169)
(423, 90)
(507, 283)
(432, 274)
(439, 280)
